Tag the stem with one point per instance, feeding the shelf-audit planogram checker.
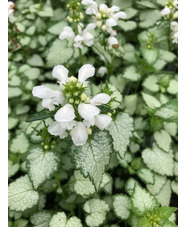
(63, 195)
(80, 56)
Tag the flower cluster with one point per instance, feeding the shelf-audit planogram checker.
(105, 18)
(83, 36)
(78, 113)
(11, 11)
(170, 12)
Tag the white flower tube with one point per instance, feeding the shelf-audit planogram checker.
(102, 121)
(65, 113)
(79, 134)
(85, 72)
(100, 99)
(88, 111)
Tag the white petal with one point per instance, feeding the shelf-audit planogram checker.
(100, 99)
(88, 111)
(121, 15)
(90, 26)
(78, 38)
(86, 2)
(69, 125)
(65, 113)
(63, 135)
(79, 134)
(115, 8)
(102, 70)
(85, 72)
(48, 103)
(59, 99)
(111, 22)
(44, 92)
(67, 33)
(56, 128)
(102, 121)
(165, 11)
(61, 73)
(112, 41)
(103, 7)
(89, 123)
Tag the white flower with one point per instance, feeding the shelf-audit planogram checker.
(165, 11)
(112, 41)
(80, 113)
(49, 96)
(79, 134)
(174, 28)
(11, 11)
(83, 36)
(102, 71)
(106, 17)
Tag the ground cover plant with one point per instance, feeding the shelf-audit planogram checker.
(92, 122)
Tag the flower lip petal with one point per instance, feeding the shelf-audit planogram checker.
(44, 92)
(88, 111)
(85, 72)
(61, 73)
(100, 99)
(111, 22)
(79, 134)
(65, 114)
(102, 121)
(55, 128)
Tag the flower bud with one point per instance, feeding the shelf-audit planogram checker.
(71, 100)
(109, 114)
(101, 9)
(98, 16)
(72, 79)
(104, 27)
(98, 24)
(87, 100)
(81, 16)
(109, 10)
(76, 102)
(76, 93)
(89, 131)
(175, 16)
(46, 147)
(83, 97)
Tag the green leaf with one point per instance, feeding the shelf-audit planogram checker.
(21, 194)
(146, 4)
(46, 12)
(166, 212)
(158, 185)
(56, 29)
(41, 219)
(15, 81)
(22, 109)
(21, 223)
(149, 18)
(131, 74)
(12, 168)
(173, 87)
(83, 186)
(158, 161)
(163, 140)
(127, 25)
(12, 122)
(59, 53)
(167, 55)
(41, 115)
(121, 131)
(174, 187)
(14, 92)
(19, 144)
(169, 224)
(41, 165)
(146, 175)
(130, 184)
(35, 60)
(98, 49)
(32, 73)
(168, 111)
(144, 222)
(121, 206)
(130, 102)
(142, 201)
(151, 101)
(96, 210)
(131, 12)
(60, 220)
(93, 157)
(150, 55)
(164, 196)
(150, 83)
